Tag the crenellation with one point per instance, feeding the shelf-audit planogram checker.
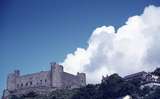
(82, 78)
(55, 78)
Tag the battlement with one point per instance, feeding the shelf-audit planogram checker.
(56, 67)
(52, 79)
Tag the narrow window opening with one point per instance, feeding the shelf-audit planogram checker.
(45, 80)
(18, 85)
(26, 84)
(30, 83)
(22, 85)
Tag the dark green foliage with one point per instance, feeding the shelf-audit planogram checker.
(62, 94)
(31, 94)
(88, 92)
(136, 82)
(156, 72)
(53, 97)
(154, 95)
(14, 97)
(115, 86)
(112, 87)
(146, 90)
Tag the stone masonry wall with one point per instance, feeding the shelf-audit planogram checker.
(52, 79)
(34, 80)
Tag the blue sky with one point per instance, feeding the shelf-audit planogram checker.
(34, 33)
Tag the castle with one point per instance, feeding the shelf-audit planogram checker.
(44, 81)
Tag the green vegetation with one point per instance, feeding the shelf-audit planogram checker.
(111, 87)
(156, 72)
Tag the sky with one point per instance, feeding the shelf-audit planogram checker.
(94, 36)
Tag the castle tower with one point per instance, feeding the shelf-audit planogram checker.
(82, 78)
(11, 80)
(56, 75)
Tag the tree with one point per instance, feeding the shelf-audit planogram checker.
(154, 95)
(156, 72)
(88, 92)
(145, 91)
(115, 86)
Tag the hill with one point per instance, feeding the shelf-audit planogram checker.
(137, 86)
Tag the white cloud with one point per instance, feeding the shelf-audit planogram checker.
(134, 47)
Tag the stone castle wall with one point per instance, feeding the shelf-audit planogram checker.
(52, 79)
(33, 80)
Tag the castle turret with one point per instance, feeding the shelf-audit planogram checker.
(82, 78)
(56, 75)
(11, 80)
(17, 72)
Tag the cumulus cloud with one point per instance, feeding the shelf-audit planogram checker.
(134, 47)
